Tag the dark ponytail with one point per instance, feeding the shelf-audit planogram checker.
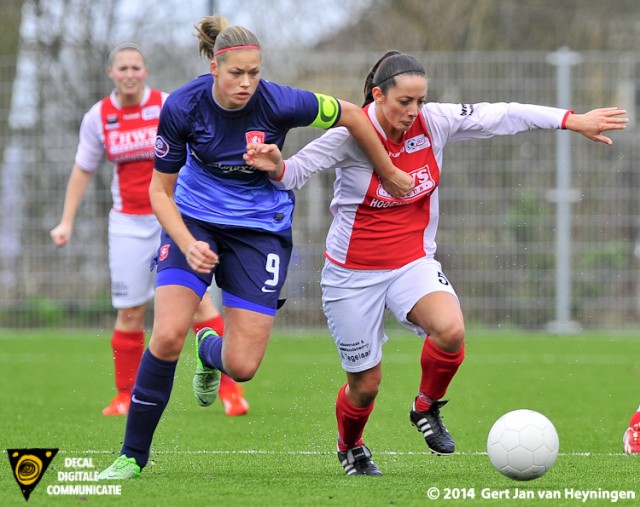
(383, 73)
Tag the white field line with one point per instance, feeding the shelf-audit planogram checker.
(266, 452)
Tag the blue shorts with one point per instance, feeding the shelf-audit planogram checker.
(252, 263)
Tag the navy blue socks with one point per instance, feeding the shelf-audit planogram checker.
(150, 396)
(211, 352)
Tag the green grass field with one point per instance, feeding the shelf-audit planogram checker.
(282, 453)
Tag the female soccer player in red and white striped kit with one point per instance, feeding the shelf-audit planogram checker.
(124, 126)
(381, 250)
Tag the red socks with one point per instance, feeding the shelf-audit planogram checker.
(216, 323)
(438, 369)
(128, 347)
(351, 421)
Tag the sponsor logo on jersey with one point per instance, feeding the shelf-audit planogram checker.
(164, 252)
(424, 183)
(255, 136)
(228, 169)
(111, 122)
(131, 116)
(128, 141)
(424, 186)
(162, 147)
(416, 143)
(151, 112)
(466, 109)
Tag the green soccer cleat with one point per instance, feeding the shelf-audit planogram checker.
(206, 381)
(120, 469)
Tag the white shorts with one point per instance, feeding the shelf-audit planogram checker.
(354, 302)
(133, 244)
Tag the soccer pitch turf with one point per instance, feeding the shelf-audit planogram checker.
(282, 453)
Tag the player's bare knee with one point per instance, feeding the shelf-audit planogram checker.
(450, 339)
(364, 391)
(167, 343)
(455, 337)
(241, 372)
(367, 397)
(130, 318)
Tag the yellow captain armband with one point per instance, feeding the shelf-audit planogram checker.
(328, 111)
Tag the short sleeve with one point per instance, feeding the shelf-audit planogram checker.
(90, 144)
(292, 107)
(171, 139)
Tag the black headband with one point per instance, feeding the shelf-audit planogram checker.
(407, 71)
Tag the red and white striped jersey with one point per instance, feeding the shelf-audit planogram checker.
(127, 135)
(373, 230)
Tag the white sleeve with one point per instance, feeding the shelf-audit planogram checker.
(335, 148)
(91, 144)
(457, 122)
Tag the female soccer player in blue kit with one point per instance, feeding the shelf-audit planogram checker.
(220, 216)
(134, 231)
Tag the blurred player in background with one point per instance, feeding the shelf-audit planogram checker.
(222, 217)
(124, 126)
(381, 250)
(631, 438)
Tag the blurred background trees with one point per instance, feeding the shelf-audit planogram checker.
(493, 25)
(496, 220)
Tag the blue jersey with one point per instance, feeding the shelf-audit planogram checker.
(205, 143)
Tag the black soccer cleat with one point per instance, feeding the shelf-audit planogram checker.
(430, 424)
(357, 461)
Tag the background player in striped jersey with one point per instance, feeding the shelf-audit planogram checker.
(124, 125)
(223, 217)
(381, 250)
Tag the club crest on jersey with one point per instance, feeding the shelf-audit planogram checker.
(162, 147)
(164, 252)
(416, 143)
(255, 136)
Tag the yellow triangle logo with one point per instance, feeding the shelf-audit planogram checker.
(29, 465)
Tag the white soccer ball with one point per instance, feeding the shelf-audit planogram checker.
(523, 445)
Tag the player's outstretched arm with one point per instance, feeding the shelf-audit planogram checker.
(595, 122)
